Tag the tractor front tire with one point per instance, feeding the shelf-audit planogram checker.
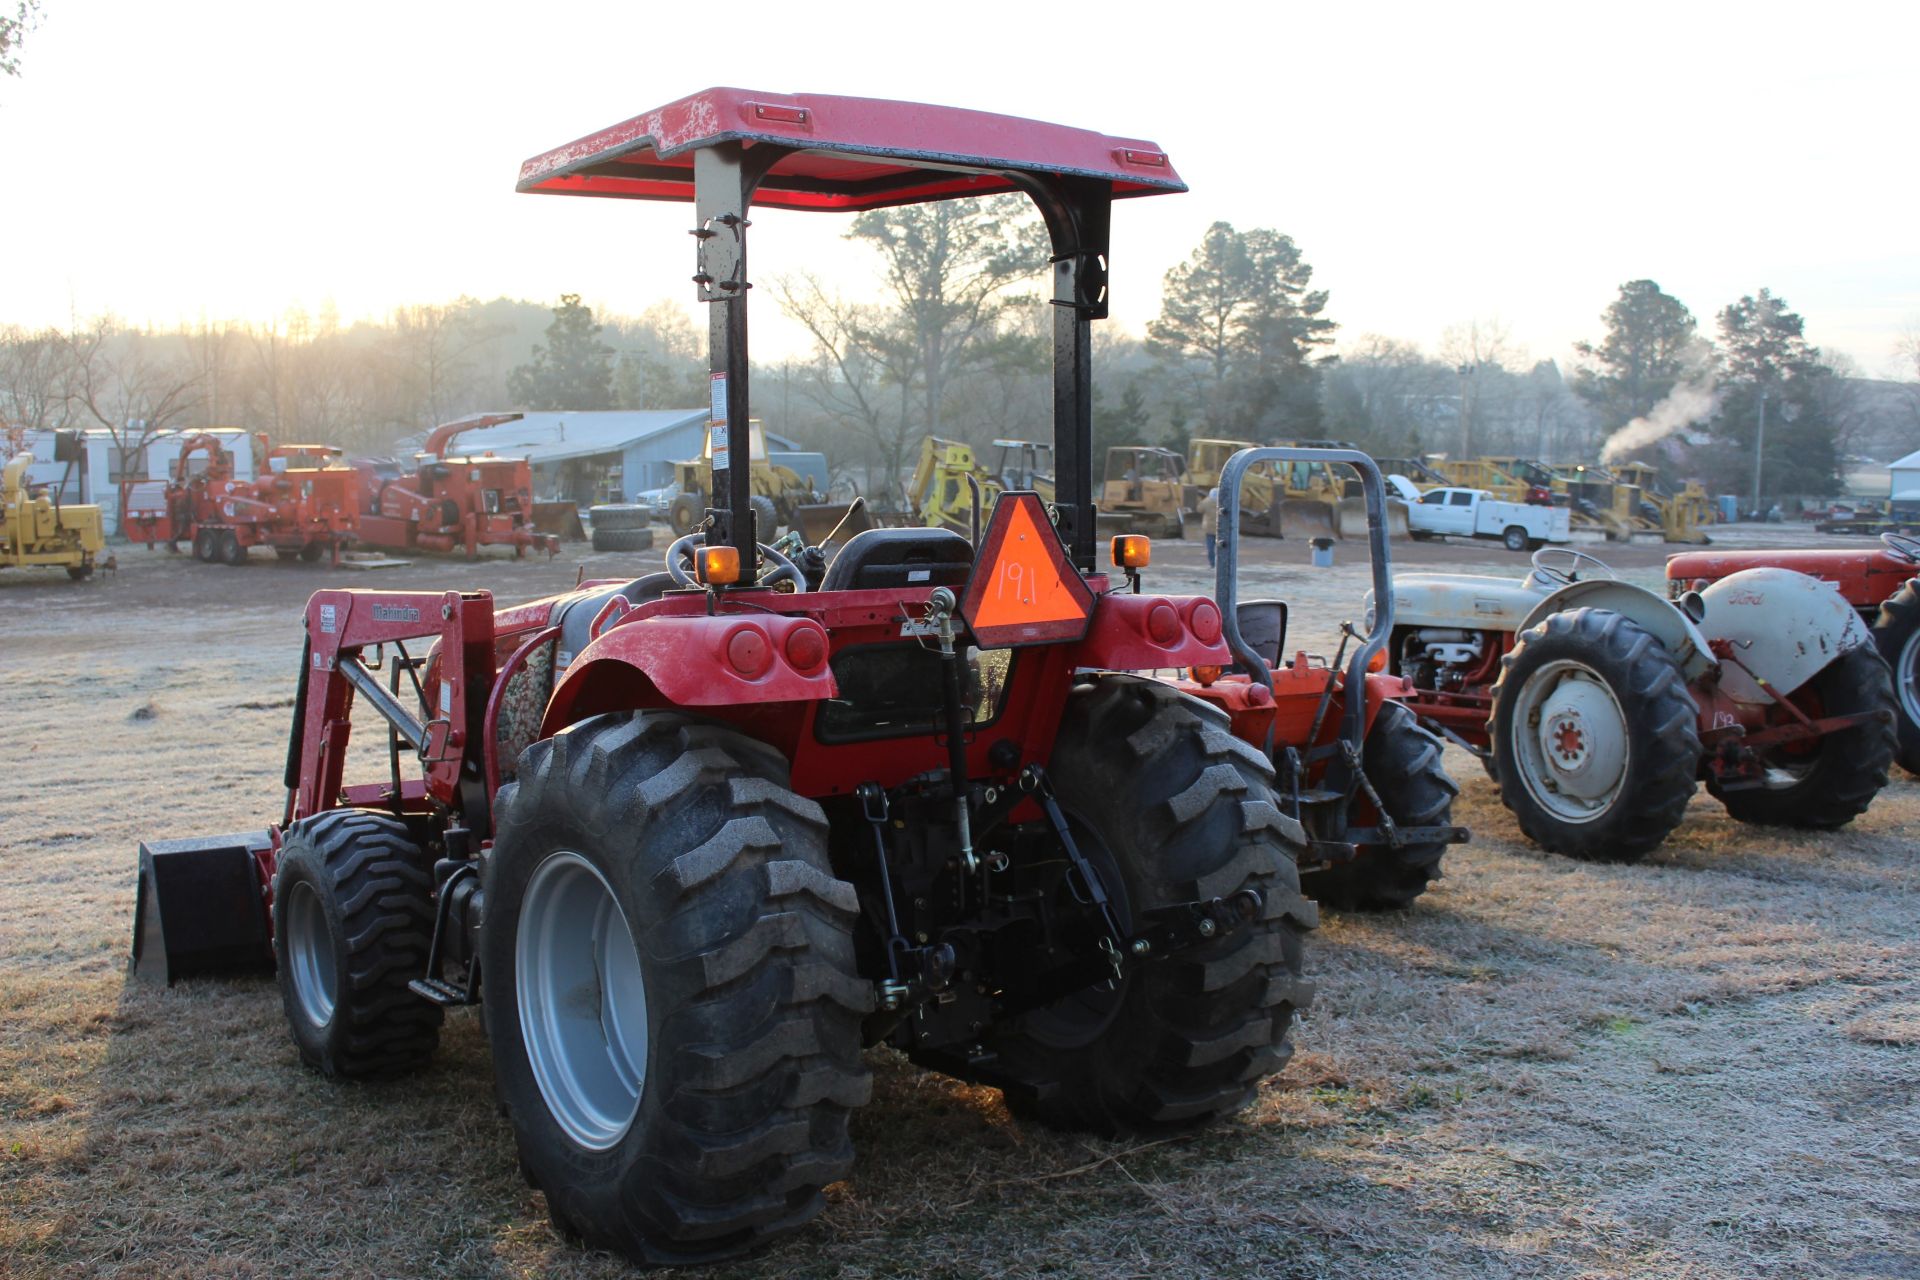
(684, 514)
(672, 998)
(352, 925)
(1403, 762)
(1165, 800)
(1595, 738)
(1841, 773)
(1897, 634)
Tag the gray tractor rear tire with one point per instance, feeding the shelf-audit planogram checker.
(1840, 774)
(1658, 721)
(1167, 801)
(352, 924)
(1403, 762)
(1897, 634)
(741, 1042)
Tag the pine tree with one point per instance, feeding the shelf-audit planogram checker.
(574, 370)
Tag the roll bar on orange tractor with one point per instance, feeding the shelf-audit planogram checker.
(725, 150)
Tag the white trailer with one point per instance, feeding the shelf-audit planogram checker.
(1476, 513)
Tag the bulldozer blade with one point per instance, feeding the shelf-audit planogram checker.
(561, 519)
(1305, 518)
(1353, 518)
(198, 908)
(818, 520)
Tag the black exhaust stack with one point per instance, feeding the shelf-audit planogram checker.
(199, 908)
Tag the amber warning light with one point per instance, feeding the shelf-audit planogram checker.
(1023, 589)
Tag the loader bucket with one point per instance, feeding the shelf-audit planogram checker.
(1353, 518)
(1306, 518)
(561, 519)
(198, 908)
(818, 520)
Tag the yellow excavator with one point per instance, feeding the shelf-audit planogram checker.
(950, 475)
(36, 530)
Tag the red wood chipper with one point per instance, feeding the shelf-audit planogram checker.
(447, 504)
(303, 502)
(692, 839)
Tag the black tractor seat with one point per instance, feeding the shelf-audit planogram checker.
(879, 558)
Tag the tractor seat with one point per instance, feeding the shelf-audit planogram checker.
(578, 615)
(879, 558)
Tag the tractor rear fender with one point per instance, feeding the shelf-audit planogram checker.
(694, 661)
(1785, 628)
(1149, 633)
(1669, 626)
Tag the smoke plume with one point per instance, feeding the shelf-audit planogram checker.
(1689, 402)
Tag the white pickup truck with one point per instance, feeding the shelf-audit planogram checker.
(1475, 513)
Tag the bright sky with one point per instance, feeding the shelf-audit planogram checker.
(1435, 162)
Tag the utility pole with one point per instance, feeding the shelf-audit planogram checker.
(1466, 413)
(1759, 453)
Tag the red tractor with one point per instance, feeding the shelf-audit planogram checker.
(691, 840)
(303, 503)
(1880, 585)
(1362, 775)
(451, 504)
(1598, 706)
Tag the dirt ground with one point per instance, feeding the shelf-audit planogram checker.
(1705, 1065)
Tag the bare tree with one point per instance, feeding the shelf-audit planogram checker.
(854, 373)
(126, 387)
(1473, 347)
(33, 378)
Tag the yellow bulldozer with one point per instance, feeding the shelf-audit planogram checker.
(1143, 492)
(36, 530)
(782, 497)
(1681, 516)
(950, 474)
(1295, 499)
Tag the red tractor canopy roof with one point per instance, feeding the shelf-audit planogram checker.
(851, 153)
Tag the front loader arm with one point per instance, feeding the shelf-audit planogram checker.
(340, 625)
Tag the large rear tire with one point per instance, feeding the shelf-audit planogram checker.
(1834, 780)
(352, 924)
(1161, 792)
(1403, 762)
(1595, 737)
(672, 999)
(1897, 634)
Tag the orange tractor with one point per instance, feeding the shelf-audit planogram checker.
(692, 839)
(1361, 774)
(303, 503)
(449, 504)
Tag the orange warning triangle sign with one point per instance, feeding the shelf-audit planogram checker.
(1023, 590)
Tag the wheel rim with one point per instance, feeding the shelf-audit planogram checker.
(310, 957)
(1906, 678)
(1570, 740)
(583, 1002)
